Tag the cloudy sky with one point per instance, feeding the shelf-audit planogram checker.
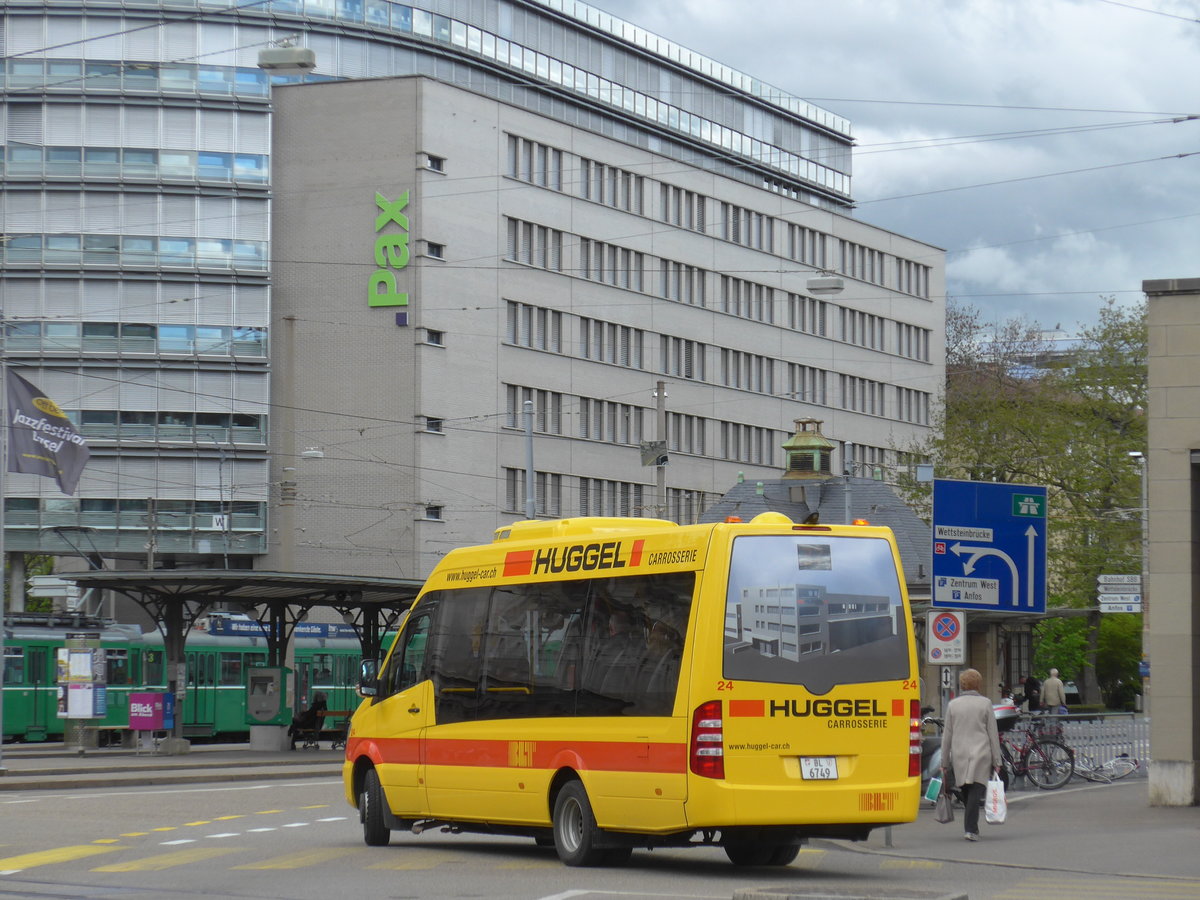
(1037, 141)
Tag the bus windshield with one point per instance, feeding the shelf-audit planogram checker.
(814, 610)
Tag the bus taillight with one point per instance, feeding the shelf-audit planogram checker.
(914, 737)
(707, 751)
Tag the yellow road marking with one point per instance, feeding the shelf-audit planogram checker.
(316, 806)
(408, 861)
(167, 860)
(165, 828)
(135, 834)
(107, 841)
(48, 857)
(267, 812)
(227, 818)
(201, 822)
(301, 859)
(910, 864)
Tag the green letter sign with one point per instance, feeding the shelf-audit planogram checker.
(391, 253)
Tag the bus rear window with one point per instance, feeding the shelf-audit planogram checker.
(816, 611)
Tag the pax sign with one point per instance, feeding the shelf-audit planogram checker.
(391, 251)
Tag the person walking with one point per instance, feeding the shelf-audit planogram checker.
(970, 746)
(1054, 694)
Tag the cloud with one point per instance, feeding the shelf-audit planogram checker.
(912, 70)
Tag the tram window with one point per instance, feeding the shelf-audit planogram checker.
(153, 667)
(117, 664)
(322, 668)
(231, 668)
(14, 665)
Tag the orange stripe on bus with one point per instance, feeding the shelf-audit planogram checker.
(635, 555)
(747, 708)
(898, 708)
(609, 756)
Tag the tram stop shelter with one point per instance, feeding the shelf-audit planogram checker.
(175, 598)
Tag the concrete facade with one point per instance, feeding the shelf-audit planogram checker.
(1173, 471)
(548, 261)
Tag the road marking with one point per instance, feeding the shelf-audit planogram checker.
(165, 828)
(334, 819)
(910, 864)
(224, 834)
(135, 834)
(297, 824)
(12, 864)
(227, 818)
(167, 860)
(107, 841)
(316, 806)
(256, 830)
(412, 860)
(201, 822)
(180, 841)
(301, 859)
(268, 812)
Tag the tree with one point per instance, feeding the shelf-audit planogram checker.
(1020, 409)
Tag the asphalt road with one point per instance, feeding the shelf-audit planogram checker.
(298, 839)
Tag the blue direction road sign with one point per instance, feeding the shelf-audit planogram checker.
(989, 546)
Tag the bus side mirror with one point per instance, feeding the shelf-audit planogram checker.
(368, 678)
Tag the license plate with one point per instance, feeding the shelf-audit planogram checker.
(818, 768)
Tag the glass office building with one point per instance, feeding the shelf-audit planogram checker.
(137, 200)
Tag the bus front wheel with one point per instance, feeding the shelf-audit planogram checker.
(575, 829)
(370, 809)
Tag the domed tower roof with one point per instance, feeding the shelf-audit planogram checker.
(807, 453)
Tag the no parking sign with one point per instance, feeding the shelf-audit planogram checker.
(945, 639)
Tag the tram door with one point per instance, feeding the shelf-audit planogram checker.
(200, 709)
(45, 693)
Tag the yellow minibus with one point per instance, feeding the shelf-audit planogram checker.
(605, 684)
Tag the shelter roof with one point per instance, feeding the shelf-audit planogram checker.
(253, 587)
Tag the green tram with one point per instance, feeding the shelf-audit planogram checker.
(215, 704)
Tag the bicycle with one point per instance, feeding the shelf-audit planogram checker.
(1046, 762)
(1108, 772)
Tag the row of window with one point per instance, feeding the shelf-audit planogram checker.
(624, 423)
(530, 63)
(102, 512)
(559, 251)
(164, 425)
(134, 251)
(543, 329)
(31, 161)
(135, 337)
(31, 75)
(560, 170)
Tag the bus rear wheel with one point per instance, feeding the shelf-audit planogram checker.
(575, 829)
(370, 810)
(748, 854)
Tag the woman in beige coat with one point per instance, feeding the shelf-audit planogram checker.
(970, 746)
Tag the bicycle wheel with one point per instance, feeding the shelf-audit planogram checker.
(1086, 768)
(1120, 766)
(1049, 764)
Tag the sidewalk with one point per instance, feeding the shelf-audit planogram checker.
(37, 767)
(1087, 828)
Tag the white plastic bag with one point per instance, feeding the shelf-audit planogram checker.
(995, 807)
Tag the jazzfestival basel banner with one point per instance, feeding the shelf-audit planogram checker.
(41, 439)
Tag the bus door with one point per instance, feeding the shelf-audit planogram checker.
(399, 715)
(200, 710)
